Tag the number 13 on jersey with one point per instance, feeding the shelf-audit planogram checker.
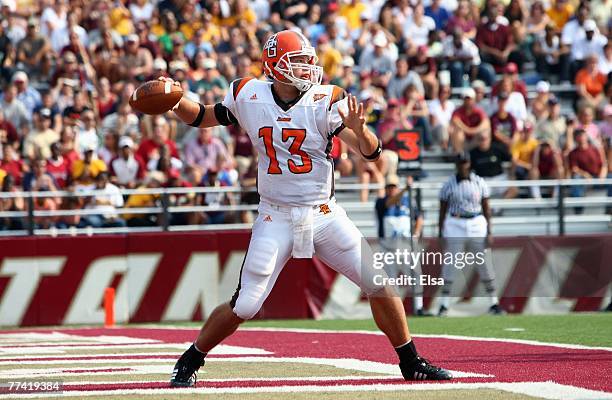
(298, 136)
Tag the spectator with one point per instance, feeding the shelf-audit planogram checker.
(574, 28)
(487, 161)
(8, 133)
(552, 129)
(14, 110)
(137, 61)
(203, 151)
(68, 145)
(29, 96)
(417, 28)
(537, 22)
(515, 104)
(503, 124)
(15, 203)
(106, 57)
(441, 111)
(32, 47)
(105, 203)
(123, 121)
(53, 18)
(38, 178)
(38, 142)
(591, 42)
(427, 69)
(522, 150)
(165, 162)
(462, 18)
(550, 56)
(58, 166)
(88, 136)
(106, 101)
(585, 122)
(495, 41)
(60, 36)
(438, 13)
(512, 80)
(402, 78)
(560, 13)
(415, 107)
(395, 119)
(605, 127)
(585, 162)
(462, 56)
(70, 203)
(48, 101)
(47, 204)
(211, 80)
(376, 60)
(467, 122)
(347, 78)
(140, 199)
(127, 169)
(70, 72)
(539, 107)
(141, 10)
(547, 165)
(590, 83)
(516, 14)
(85, 171)
(605, 62)
(11, 164)
(79, 105)
(110, 149)
(150, 148)
(330, 58)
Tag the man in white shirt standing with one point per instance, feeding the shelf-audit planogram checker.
(105, 204)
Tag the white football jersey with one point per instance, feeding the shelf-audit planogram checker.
(293, 141)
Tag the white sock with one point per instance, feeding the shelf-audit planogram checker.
(418, 302)
(445, 301)
(494, 300)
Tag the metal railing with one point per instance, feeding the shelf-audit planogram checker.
(165, 209)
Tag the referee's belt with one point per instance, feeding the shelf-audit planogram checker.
(465, 215)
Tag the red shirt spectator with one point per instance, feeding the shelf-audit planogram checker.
(8, 133)
(58, 167)
(150, 148)
(472, 119)
(585, 156)
(511, 70)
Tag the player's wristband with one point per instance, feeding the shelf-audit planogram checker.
(374, 155)
(196, 123)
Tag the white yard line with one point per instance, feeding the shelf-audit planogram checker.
(546, 390)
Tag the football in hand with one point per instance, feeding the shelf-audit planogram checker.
(156, 97)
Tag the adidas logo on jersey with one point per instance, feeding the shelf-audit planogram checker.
(267, 218)
(254, 97)
(319, 96)
(283, 119)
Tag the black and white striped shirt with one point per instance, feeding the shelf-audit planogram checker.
(465, 196)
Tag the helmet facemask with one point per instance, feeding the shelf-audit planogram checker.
(285, 67)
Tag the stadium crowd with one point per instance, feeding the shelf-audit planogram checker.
(67, 69)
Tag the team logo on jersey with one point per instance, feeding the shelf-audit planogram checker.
(324, 209)
(254, 97)
(283, 119)
(270, 46)
(319, 96)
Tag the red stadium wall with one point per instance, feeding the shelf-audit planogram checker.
(183, 276)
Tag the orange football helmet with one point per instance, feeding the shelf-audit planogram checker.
(277, 56)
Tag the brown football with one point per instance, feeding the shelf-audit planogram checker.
(155, 97)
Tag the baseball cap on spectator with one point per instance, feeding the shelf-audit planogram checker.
(45, 113)
(209, 63)
(469, 93)
(543, 87)
(380, 40)
(159, 64)
(510, 68)
(71, 82)
(32, 21)
(132, 38)
(552, 100)
(478, 84)
(178, 65)
(89, 147)
(608, 110)
(392, 180)
(332, 7)
(348, 61)
(19, 76)
(126, 141)
(589, 25)
(365, 15)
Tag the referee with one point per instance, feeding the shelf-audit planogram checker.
(465, 223)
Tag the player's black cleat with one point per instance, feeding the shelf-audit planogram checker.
(495, 309)
(186, 368)
(421, 370)
(443, 311)
(423, 313)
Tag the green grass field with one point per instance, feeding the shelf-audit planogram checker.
(584, 328)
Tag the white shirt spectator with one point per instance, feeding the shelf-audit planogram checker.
(515, 106)
(467, 49)
(126, 171)
(442, 115)
(50, 17)
(112, 194)
(60, 37)
(582, 47)
(419, 35)
(572, 31)
(549, 50)
(87, 139)
(143, 13)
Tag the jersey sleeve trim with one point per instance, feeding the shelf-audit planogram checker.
(337, 94)
(224, 116)
(337, 131)
(238, 84)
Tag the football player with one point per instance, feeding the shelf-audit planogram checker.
(291, 120)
